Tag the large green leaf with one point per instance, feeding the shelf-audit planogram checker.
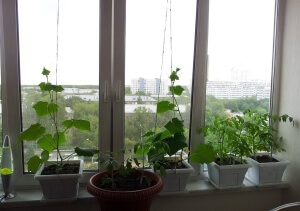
(61, 138)
(204, 154)
(34, 163)
(47, 143)
(45, 72)
(68, 123)
(164, 106)
(52, 108)
(79, 124)
(41, 108)
(175, 143)
(177, 90)
(82, 124)
(162, 135)
(33, 133)
(85, 152)
(149, 133)
(57, 88)
(45, 155)
(174, 76)
(45, 86)
(154, 155)
(175, 126)
(141, 149)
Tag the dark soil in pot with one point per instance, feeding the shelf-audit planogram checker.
(264, 159)
(131, 183)
(174, 165)
(66, 169)
(227, 161)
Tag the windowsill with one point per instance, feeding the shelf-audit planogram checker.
(33, 197)
(203, 186)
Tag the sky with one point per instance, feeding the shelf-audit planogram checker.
(240, 37)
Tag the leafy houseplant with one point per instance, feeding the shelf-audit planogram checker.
(52, 140)
(227, 144)
(267, 168)
(123, 187)
(162, 147)
(262, 133)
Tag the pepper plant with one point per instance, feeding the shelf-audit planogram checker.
(261, 131)
(227, 143)
(52, 140)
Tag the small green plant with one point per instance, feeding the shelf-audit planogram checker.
(171, 139)
(122, 176)
(52, 140)
(262, 135)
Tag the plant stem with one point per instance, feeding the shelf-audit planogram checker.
(69, 156)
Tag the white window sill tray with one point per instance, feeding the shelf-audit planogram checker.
(33, 197)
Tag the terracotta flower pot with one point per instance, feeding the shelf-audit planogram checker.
(139, 200)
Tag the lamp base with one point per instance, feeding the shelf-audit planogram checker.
(8, 196)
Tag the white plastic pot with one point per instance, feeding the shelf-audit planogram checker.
(266, 173)
(227, 176)
(175, 180)
(59, 186)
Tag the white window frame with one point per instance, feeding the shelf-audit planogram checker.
(111, 78)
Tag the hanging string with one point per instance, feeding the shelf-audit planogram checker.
(56, 66)
(171, 54)
(57, 26)
(171, 38)
(162, 61)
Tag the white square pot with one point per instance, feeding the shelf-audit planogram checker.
(175, 180)
(266, 173)
(227, 176)
(59, 186)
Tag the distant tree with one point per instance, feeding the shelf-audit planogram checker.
(138, 122)
(140, 93)
(128, 90)
(232, 105)
(214, 108)
(73, 101)
(28, 152)
(87, 111)
(139, 100)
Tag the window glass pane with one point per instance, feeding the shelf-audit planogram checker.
(78, 67)
(1, 131)
(144, 47)
(240, 57)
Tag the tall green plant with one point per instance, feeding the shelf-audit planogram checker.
(50, 141)
(172, 138)
(226, 142)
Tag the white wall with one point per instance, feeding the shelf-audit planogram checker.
(289, 96)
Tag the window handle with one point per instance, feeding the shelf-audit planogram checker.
(118, 93)
(105, 94)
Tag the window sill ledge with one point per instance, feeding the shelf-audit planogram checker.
(204, 187)
(33, 197)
